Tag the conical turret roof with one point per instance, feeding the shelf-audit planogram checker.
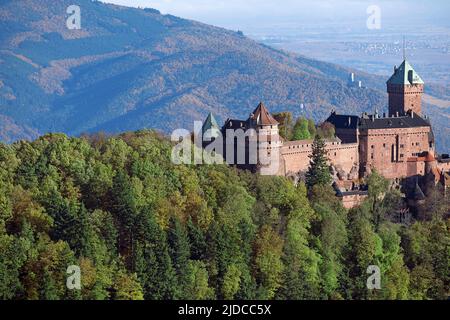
(211, 124)
(263, 117)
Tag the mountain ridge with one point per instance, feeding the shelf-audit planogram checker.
(130, 68)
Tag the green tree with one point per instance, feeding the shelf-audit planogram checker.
(364, 249)
(378, 186)
(312, 128)
(231, 282)
(332, 235)
(127, 287)
(318, 172)
(179, 252)
(152, 261)
(301, 272)
(301, 130)
(268, 262)
(197, 287)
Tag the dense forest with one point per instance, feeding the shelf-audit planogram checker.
(140, 227)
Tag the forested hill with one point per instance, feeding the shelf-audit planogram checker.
(128, 69)
(140, 227)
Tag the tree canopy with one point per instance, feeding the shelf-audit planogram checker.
(140, 227)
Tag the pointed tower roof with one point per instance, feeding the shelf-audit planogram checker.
(405, 74)
(263, 117)
(210, 124)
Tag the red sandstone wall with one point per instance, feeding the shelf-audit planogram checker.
(405, 98)
(377, 148)
(296, 155)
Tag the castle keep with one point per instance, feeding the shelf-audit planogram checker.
(399, 144)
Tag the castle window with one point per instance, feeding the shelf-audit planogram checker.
(372, 156)
(384, 145)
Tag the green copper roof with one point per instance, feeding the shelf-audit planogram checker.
(211, 124)
(405, 74)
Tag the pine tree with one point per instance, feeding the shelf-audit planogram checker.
(152, 261)
(179, 252)
(48, 290)
(318, 172)
(302, 274)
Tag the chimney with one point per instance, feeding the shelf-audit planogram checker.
(395, 69)
(384, 114)
(397, 114)
(412, 114)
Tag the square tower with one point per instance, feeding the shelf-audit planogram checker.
(405, 89)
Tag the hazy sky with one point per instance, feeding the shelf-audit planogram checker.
(231, 12)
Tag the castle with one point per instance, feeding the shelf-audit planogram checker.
(399, 145)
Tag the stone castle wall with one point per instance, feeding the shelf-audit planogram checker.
(405, 97)
(394, 152)
(295, 155)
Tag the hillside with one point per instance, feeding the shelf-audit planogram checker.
(128, 69)
(140, 227)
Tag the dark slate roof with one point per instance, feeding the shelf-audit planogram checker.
(444, 158)
(235, 124)
(341, 121)
(368, 122)
(345, 122)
